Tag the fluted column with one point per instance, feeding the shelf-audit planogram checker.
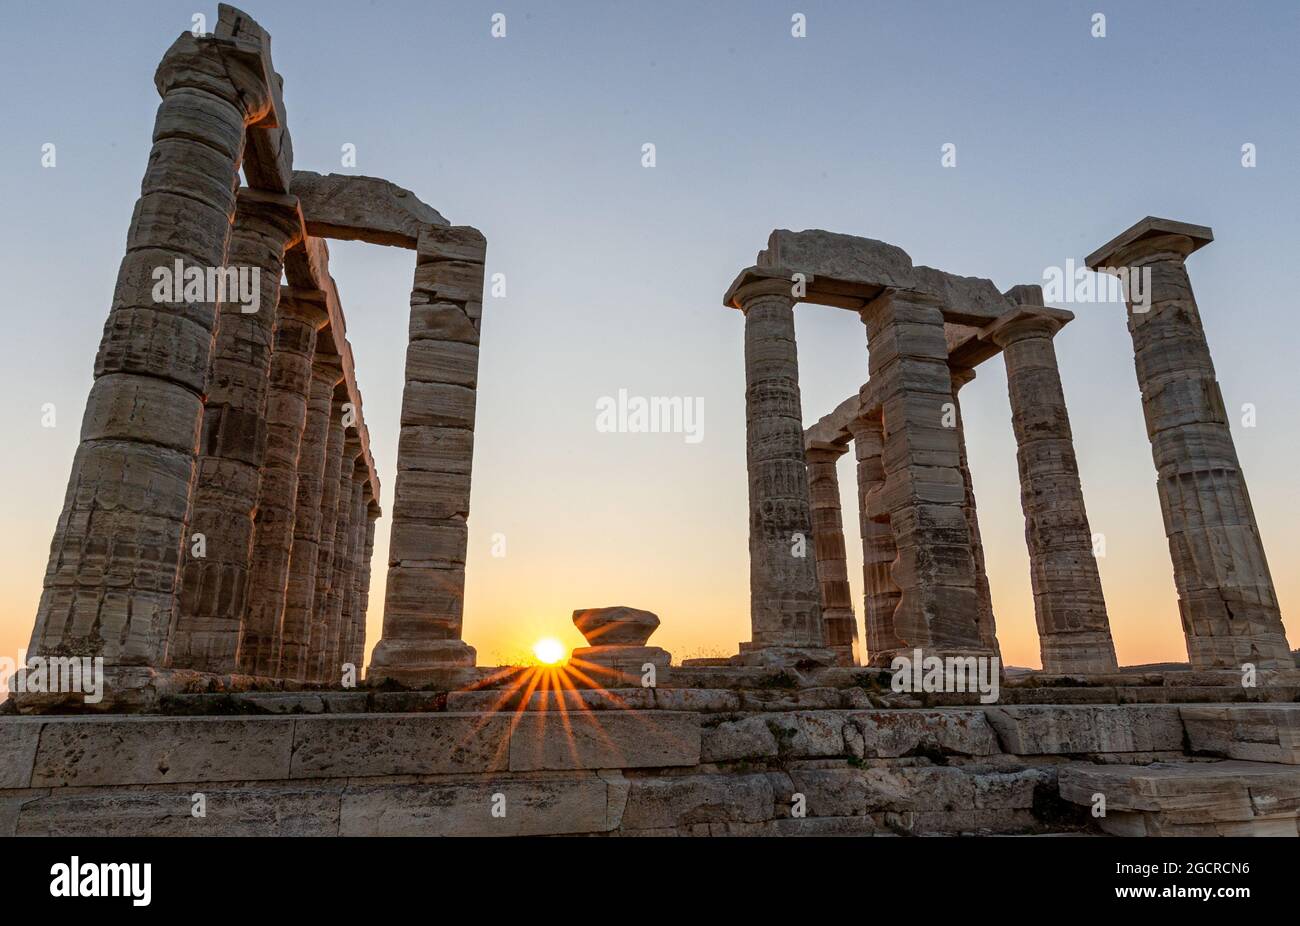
(300, 590)
(425, 596)
(358, 650)
(1070, 609)
(298, 320)
(987, 625)
(1229, 607)
(341, 589)
(232, 443)
(356, 551)
(111, 584)
(784, 597)
(839, 625)
(340, 454)
(880, 594)
(924, 493)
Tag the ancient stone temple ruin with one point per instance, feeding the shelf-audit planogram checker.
(220, 515)
(214, 550)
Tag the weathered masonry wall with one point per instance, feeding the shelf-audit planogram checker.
(684, 761)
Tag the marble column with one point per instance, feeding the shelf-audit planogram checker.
(300, 590)
(340, 456)
(299, 318)
(880, 594)
(839, 624)
(111, 583)
(1070, 609)
(784, 597)
(923, 492)
(206, 631)
(987, 625)
(1226, 597)
(425, 595)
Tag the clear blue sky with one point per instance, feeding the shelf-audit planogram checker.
(615, 271)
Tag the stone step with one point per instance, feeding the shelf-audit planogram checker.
(1223, 798)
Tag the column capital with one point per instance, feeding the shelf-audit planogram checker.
(279, 211)
(1026, 322)
(755, 282)
(1151, 237)
(960, 376)
(306, 305)
(824, 453)
(328, 368)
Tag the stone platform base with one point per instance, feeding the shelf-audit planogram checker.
(501, 761)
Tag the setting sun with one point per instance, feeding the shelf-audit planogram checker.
(549, 651)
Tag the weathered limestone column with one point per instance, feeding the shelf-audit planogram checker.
(784, 597)
(987, 625)
(111, 584)
(357, 523)
(1225, 592)
(839, 625)
(340, 456)
(300, 591)
(424, 599)
(1070, 609)
(299, 318)
(341, 582)
(923, 493)
(214, 585)
(879, 592)
(358, 650)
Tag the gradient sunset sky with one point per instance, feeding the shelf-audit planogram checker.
(615, 271)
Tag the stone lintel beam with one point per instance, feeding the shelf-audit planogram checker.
(1150, 227)
(850, 272)
(353, 208)
(967, 347)
(268, 154)
(833, 431)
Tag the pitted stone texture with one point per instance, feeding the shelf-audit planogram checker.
(985, 619)
(424, 601)
(156, 750)
(1189, 799)
(290, 379)
(304, 559)
(785, 601)
(923, 492)
(535, 805)
(614, 739)
(389, 744)
(1225, 592)
(1075, 729)
(112, 578)
(1253, 732)
(839, 625)
(214, 587)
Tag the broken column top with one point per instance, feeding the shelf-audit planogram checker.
(370, 209)
(1150, 227)
(848, 272)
